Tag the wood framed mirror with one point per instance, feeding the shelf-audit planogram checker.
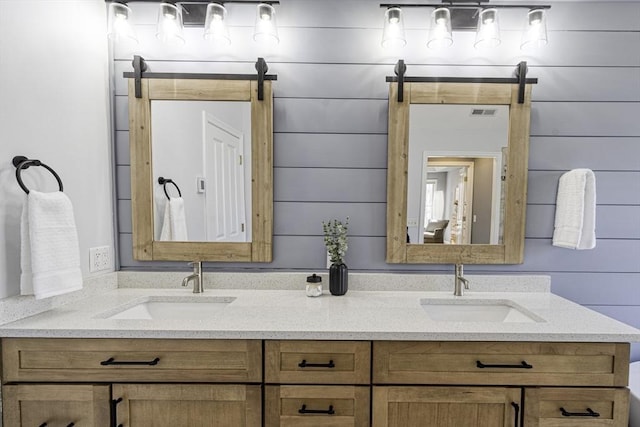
(417, 221)
(154, 91)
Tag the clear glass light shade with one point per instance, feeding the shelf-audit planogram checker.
(393, 33)
(535, 31)
(170, 27)
(119, 23)
(488, 33)
(266, 30)
(215, 24)
(440, 31)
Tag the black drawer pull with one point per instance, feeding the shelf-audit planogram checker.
(590, 413)
(304, 364)
(68, 425)
(112, 361)
(304, 410)
(522, 365)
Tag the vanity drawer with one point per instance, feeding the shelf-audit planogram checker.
(576, 407)
(316, 406)
(317, 362)
(501, 363)
(142, 360)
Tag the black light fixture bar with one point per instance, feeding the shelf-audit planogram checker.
(270, 2)
(483, 5)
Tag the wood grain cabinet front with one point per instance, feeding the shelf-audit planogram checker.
(501, 363)
(576, 407)
(317, 406)
(55, 405)
(131, 360)
(421, 406)
(192, 405)
(317, 362)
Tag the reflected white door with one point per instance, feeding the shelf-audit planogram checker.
(224, 181)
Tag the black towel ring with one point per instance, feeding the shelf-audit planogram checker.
(21, 162)
(164, 181)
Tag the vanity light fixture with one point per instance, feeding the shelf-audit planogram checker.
(173, 16)
(266, 31)
(215, 24)
(470, 15)
(488, 34)
(440, 33)
(119, 25)
(170, 27)
(535, 32)
(393, 33)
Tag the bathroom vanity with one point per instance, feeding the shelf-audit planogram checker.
(279, 358)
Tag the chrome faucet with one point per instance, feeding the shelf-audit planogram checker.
(459, 280)
(198, 287)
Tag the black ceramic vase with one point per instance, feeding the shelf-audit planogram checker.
(338, 279)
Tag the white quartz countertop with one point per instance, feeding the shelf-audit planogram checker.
(290, 314)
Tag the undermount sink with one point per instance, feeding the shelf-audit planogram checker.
(477, 310)
(159, 308)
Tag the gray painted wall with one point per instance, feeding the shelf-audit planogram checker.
(331, 130)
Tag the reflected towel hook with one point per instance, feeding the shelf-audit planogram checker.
(164, 181)
(21, 162)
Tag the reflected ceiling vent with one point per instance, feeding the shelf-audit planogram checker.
(483, 112)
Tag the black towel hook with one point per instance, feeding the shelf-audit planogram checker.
(164, 181)
(21, 162)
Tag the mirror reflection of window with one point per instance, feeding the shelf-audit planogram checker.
(455, 169)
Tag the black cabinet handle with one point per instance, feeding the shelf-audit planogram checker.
(304, 410)
(68, 425)
(516, 409)
(304, 364)
(43, 425)
(590, 413)
(522, 365)
(112, 361)
(114, 412)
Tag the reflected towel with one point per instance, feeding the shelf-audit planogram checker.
(50, 254)
(575, 221)
(174, 224)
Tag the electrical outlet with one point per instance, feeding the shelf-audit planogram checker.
(99, 258)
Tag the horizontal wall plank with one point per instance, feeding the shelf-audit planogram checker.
(362, 45)
(597, 288)
(123, 182)
(121, 116)
(612, 222)
(334, 185)
(585, 119)
(330, 115)
(564, 153)
(123, 156)
(297, 80)
(125, 224)
(330, 150)
(612, 188)
(618, 256)
(295, 218)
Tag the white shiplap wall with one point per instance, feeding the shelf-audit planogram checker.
(331, 123)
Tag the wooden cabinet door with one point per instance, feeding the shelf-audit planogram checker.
(188, 405)
(446, 406)
(56, 405)
(576, 407)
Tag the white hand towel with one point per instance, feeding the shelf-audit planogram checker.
(50, 255)
(174, 224)
(575, 222)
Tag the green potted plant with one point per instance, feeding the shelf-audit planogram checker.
(335, 239)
